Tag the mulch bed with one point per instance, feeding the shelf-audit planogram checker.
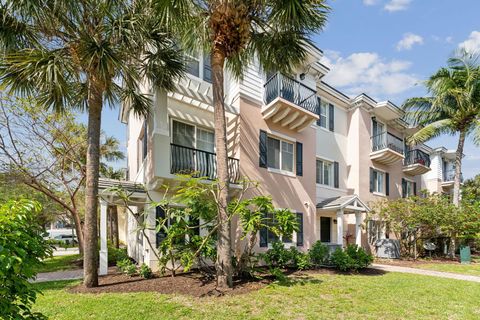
(194, 283)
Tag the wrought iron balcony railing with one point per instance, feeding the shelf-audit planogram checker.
(416, 156)
(185, 160)
(281, 86)
(386, 140)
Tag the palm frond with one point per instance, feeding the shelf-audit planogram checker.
(431, 131)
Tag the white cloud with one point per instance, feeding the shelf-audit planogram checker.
(370, 2)
(408, 41)
(368, 72)
(472, 44)
(397, 5)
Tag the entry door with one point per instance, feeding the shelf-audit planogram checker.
(326, 229)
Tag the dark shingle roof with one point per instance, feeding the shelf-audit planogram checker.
(129, 186)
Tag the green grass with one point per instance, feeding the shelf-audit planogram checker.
(60, 263)
(389, 296)
(468, 269)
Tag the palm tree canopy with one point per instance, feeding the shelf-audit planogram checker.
(52, 49)
(453, 104)
(277, 33)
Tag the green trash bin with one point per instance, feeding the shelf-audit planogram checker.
(465, 255)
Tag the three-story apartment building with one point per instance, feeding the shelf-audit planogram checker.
(316, 151)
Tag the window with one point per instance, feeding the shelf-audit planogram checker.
(324, 172)
(199, 67)
(323, 116)
(378, 181)
(267, 236)
(142, 145)
(279, 154)
(325, 229)
(408, 188)
(190, 136)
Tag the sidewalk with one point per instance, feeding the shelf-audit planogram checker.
(440, 274)
(59, 275)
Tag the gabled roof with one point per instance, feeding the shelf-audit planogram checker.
(336, 203)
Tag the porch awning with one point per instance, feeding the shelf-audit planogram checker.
(351, 202)
(136, 191)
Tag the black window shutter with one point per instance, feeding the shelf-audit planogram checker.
(300, 229)
(263, 237)
(415, 188)
(404, 188)
(263, 149)
(145, 139)
(331, 117)
(336, 182)
(161, 234)
(318, 110)
(387, 183)
(299, 153)
(371, 180)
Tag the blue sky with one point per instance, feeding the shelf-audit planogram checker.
(385, 48)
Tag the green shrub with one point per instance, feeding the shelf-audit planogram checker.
(145, 271)
(116, 254)
(300, 260)
(318, 254)
(353, 258)
(277, 256)
(278, 274)
(127, 267)
(22, 249)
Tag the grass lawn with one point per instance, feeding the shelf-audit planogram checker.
(321, 296)
(468, 269)
(60, 263)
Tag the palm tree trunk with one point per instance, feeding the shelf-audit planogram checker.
(458, 169)
(115, 226)
(456, 187)
(90, 257)
(224, 262)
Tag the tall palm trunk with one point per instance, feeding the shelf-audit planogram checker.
(456, 186)
(90, 257)
(224, 262)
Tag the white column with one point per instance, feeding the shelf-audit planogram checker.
(340, 227)
(103, 238)
(358, 228)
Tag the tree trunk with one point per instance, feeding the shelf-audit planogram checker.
(90, 257)
(79, 230)
(456, 186)
(458, 169)
(223, 264)
(114, 221)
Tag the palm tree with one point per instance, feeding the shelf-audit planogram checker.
(232, 33)
(83, 54)
(452, 107)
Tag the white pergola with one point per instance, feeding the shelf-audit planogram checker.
(108, 196)
(346, 205)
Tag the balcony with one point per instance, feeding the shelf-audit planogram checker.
(416, 162)
(289, 103)
(449, 177)
(199, 163)
(386, 148)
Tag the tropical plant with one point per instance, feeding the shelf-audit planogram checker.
(75, 54)
(233, 34)
(145, 271)
(352, 258)
(46, 151)
(452, 107)
(22, 249)
(319, 254)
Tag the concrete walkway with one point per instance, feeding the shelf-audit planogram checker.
(59, 275)
(449, 275)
